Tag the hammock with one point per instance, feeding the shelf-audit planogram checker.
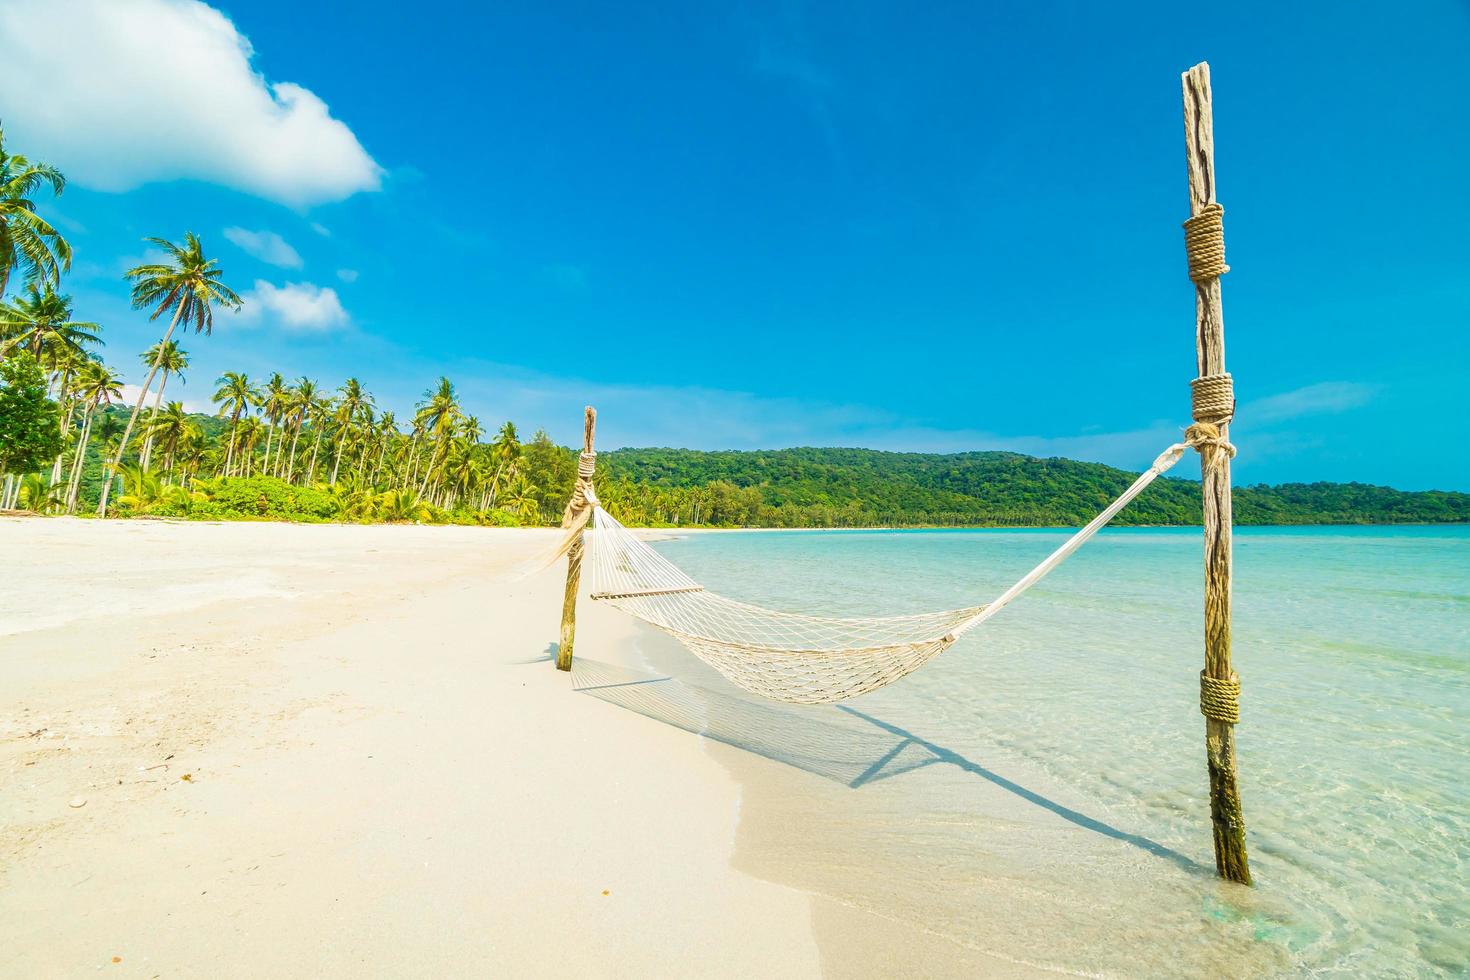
(788, 656)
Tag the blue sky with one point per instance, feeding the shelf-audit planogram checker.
(929, 227)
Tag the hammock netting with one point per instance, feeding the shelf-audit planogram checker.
(782, 655)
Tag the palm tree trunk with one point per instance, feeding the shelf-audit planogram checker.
(409, 472)
(341, 444)
(74, 482)
(230, 454)
(315, 447)
(122, 445)
(270, 433)
(291, 465)
(152, 417)
(65, 428)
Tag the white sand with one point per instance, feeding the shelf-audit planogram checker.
(342, 751)
(384, 777)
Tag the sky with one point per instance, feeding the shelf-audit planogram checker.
(928, 227)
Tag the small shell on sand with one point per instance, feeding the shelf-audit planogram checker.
(77, 801)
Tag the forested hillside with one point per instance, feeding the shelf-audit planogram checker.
(847, 487)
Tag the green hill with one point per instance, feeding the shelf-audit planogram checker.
(835, 487)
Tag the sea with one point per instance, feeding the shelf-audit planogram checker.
(1038, 791)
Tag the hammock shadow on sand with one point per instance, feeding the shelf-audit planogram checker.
(836, 742)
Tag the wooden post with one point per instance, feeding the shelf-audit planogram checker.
(574, 560)
(1225, 809)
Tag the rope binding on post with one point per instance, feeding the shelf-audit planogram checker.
(1212, 398)
(1220, 699)
(1204, 241)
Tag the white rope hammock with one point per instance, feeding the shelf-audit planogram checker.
(787, 656)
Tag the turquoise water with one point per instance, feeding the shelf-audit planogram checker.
(1046, 798)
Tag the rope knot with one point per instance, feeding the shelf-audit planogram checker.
(1207, 434)
(1220, 699)
(586, 465)
(1204, 243)
(1212, 398)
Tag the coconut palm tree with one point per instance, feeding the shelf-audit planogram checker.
(192, 448)
(302, 396)
(143, 489)
(366, 437)
(250, 431)
(235, 395)
(523, 500)
(318, 413)
(401, 505)
(273, 401)
(36, 495)
(438, 417)
(171, 359)
(505, 451)
(27, 241)
(167, 429)
(349, 407)
(97, 386)
(65, 364)
(40, 321)
(187, 282)
(387, 429)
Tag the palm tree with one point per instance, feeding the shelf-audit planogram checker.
(191, 450)
(273, 402)
(168, 428)
(438, 416)
(144, 489)
(97, 386)
(40, 322)
(401, 505)
(27, 241)
(505, 450)
(365, 437)
(523, 498)
(318, 413)
(36, 495)
(349, 407)
(235, 395)
(188, 282)
(65, 364)
(250, 429)
(171, 359)
(387, 429)
(302, 397)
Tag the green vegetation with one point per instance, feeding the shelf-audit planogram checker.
(863, 487)
(294, 451)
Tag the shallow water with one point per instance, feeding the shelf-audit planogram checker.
(1038, 791)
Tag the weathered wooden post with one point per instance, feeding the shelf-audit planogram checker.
(1213, 407)
(585, 466)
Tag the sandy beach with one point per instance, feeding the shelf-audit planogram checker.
(245, 750)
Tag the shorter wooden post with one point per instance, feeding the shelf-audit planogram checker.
(574, 558)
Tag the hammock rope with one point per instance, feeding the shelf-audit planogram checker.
(801, 658)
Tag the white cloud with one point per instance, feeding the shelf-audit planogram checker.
(347, 275)
(266, 246)
(119, 94)
(321, 229)
(1323, 398)
(296, 305)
